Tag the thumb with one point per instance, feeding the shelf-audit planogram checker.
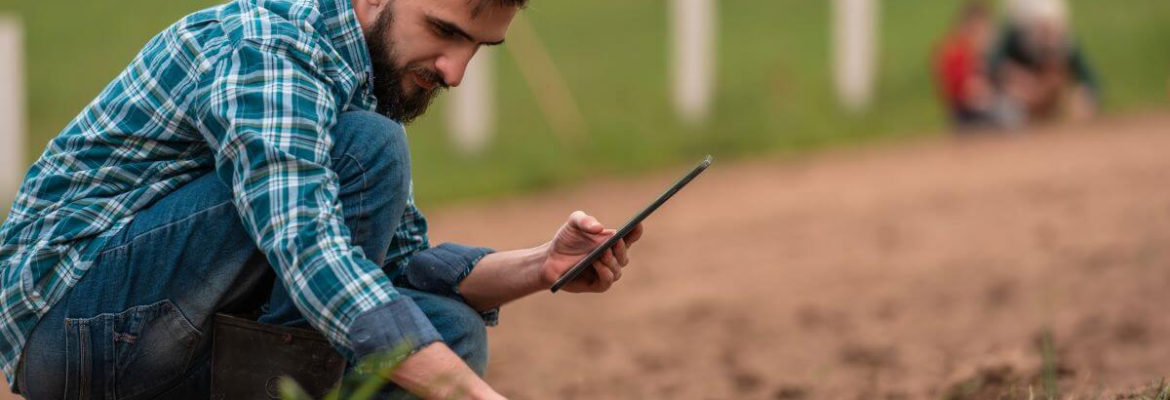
(585, 222)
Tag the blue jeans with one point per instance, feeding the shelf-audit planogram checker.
(137, 325)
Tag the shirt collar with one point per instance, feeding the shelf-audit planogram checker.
(346, 34)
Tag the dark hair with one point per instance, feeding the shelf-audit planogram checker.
(975, 9)
(482, 4)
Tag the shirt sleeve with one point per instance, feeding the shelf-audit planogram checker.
(440, 269)
(409, 238)
(411, 262)
(267, 114)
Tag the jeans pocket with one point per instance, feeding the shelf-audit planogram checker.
(153, 347)
(132, 354)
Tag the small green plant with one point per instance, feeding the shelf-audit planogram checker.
(1156, 391)
(362, 383)
(1048, 365)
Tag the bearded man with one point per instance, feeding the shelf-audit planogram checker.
(255, 151)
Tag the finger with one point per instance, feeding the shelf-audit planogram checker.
(611, 261)
(586, 223)
(609, 258)
(604, 235)
(604, 277)
(589, 277)
(634, 235)
(619, 251)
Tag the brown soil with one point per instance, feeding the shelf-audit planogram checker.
(917, 271)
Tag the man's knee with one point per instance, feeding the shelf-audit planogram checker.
(373, 144)
(469, 339)
(462, 328)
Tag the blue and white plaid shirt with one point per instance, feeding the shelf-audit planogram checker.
(250, 90)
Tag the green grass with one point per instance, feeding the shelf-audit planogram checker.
(773, 84)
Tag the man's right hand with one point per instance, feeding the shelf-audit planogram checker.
(437, 373)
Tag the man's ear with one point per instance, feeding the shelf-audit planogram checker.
(367, 11)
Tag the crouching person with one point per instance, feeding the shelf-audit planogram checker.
(252, 159)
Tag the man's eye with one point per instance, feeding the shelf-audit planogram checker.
(444, 32)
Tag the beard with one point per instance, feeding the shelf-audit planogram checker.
(393, 101)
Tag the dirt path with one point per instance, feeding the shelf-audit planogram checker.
(889, 273)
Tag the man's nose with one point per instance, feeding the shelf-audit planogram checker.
(453, 66)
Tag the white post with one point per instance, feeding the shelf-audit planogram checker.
(694, 27)
(471, 116)
(854, 44)
(12, 111)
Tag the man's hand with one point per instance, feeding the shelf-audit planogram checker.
(573, 241)
(502, 277)
(437, 373)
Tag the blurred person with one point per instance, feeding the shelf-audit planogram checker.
(960, 69)
(1038, 65)
(252, 159)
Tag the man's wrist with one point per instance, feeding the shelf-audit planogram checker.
(540, 278)
(436, 373)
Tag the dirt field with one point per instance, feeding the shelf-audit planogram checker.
(920, 271)
(890, 273)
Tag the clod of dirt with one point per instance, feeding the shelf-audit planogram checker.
(653, 363)
(888, 311)
(873, 357)
(790, 393)
(991, 383)
(1000, 294)
(746, 382)
(1132, 332)
(811, 318)
(593, 345)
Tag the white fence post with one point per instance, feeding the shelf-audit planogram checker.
(855, 36)
(694, 28)
(471, 115)
(12, 109)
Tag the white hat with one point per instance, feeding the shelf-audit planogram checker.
(1027, 12)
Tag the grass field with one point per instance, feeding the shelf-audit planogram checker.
(773, 84)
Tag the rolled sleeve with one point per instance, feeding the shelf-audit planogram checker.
(396, 325)
(440, 269)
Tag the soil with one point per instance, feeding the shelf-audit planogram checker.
(923, 270)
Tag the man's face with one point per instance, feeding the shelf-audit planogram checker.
(979, 28)
(1049, 37)
(420, 47)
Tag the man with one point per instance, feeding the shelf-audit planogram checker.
(235, 166)
(1039, 66)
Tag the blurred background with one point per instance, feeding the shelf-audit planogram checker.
(773, 87)
(845, 245)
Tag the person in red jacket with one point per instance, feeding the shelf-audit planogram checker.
(959, 66)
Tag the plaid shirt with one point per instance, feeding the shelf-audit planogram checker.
(250, 90)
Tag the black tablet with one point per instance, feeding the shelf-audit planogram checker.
(596, 253)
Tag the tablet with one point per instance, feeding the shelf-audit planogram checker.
(596, 253)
